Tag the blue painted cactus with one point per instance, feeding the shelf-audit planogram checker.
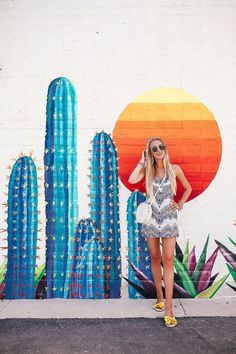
(138, 252)
(85, 230)
(91, 271)
(104, 206)
(61, 194)
(22, 229)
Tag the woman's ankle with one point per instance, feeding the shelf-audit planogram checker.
(169, 310)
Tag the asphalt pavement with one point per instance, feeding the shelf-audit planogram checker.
(119, 326)
(205, 335)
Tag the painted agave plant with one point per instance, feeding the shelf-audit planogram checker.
(3, 268)
(192, 278)
(40, 282)
(230, 257)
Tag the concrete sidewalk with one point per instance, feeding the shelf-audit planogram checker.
(114, 308)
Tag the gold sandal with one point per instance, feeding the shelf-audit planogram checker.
(170, 321)
(159, 306)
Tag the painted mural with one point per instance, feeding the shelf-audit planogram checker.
(83, 256)
(188, 128)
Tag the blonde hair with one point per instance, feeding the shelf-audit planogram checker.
(150, 169)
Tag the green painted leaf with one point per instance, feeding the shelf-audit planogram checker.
(3, 268)
(210, 292)
(232, 271)
(186, 255)
(200, 263)
(232, 241)
(39, 272)
(185, 277)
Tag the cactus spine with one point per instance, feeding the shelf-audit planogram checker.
(60, 160)
(137, 245)
(104, 206)
(22, 229)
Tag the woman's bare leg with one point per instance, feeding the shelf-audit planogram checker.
(168, 248)
(155, 254)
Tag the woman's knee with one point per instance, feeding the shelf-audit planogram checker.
(155, 257)
(168, 260)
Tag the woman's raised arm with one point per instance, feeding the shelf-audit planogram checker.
(139, 171)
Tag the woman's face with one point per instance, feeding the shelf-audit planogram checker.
(155, 149)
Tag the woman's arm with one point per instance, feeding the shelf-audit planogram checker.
(187, 187)
(139, 171)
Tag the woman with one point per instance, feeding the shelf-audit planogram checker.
(160, 176)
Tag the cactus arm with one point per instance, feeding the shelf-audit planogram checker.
(61, 192)
(104, 204)
(22, 229)
(137, 245)
(91, 277)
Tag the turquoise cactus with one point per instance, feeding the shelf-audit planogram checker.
(61, 193)
(91, 271)
(85, 230)
(22, 229)
(104, 206)
(138, 252)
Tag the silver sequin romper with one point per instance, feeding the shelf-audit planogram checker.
(164, 219)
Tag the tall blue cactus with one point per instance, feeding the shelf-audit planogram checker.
(61, 194)
(91, 271)
(104, 206)
(137, 245)
(22, 229)
(86, 229)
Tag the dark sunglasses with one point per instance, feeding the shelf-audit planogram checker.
(161, 147)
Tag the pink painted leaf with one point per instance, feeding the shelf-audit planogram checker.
(228, 255)
(205, 275)
(138, 288)
(180, 292)
(148, 285)
(192, 261)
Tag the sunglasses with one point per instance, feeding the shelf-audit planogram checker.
(161, 147)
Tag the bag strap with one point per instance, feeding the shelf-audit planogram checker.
(158, 188)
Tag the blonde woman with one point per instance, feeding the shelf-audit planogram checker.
(160, 176)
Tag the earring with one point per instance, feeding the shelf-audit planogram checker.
(152, 160)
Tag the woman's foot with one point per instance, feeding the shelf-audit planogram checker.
(159, 305)
(170, 321)
(169, 318)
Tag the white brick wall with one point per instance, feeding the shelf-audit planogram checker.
(114, 51)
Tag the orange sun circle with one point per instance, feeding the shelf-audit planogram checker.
(187, 127)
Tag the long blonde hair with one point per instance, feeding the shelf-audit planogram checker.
(150, 169)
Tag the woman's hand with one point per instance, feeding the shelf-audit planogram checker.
(139, 172)
(144, 157)
(174, 205)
